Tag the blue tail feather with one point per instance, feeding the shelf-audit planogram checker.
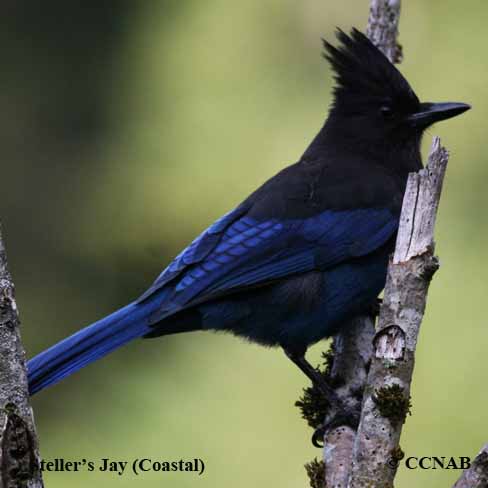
(88, 345)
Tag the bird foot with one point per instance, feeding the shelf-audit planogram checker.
(348, 416)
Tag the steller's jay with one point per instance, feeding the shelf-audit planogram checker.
(306, 251)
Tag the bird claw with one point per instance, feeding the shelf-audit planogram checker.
(349, 417)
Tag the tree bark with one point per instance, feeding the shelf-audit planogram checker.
(386, 400)
(476, 476)
(353, 347)
(384, 16)
(19, 456)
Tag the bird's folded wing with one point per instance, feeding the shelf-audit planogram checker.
(239, 252)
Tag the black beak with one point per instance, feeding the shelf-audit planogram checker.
(433, 112)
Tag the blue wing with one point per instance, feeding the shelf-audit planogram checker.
(197, 251)
(239, 251)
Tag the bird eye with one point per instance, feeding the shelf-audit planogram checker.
(386, 111)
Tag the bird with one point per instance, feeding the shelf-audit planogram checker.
(304, 253)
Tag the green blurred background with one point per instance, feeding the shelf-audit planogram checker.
(128, 127)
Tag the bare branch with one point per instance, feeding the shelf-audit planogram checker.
(387, 396)
(19, 458)
(384, 16)
(352, 352)
(476, 476)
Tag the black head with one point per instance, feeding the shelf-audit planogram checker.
(372, 100)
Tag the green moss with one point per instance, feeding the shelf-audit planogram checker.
(397, 454)
(392, 403)
(312, 404)
(316, 473)
(328, 360)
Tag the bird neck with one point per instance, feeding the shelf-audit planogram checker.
(400, 155)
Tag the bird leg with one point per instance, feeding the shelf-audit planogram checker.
(343, 414)
(316, 378)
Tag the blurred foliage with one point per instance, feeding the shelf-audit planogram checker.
(127, 127)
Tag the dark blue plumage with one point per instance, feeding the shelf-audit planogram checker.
(303, 253)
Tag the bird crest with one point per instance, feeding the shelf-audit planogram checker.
(364, 74)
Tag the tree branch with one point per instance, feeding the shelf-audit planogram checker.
(386, 401)
(353, 347)
(476, 476)
(384, 16)
(19, 457)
